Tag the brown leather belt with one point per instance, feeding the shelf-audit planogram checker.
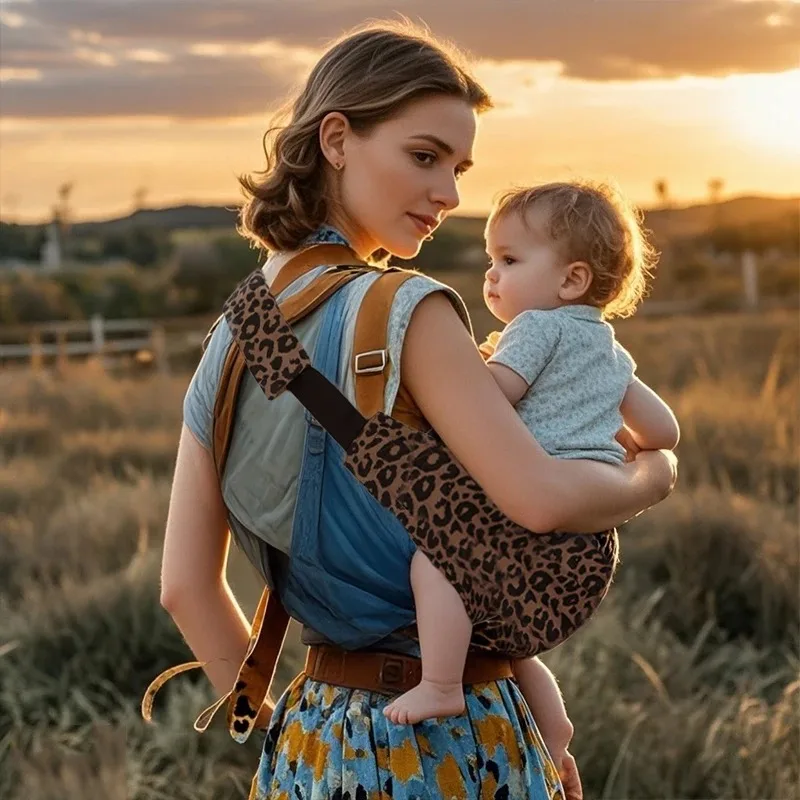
(390, 673)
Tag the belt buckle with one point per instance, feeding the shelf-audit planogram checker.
(392, 673)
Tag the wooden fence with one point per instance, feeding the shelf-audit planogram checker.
(96, 337)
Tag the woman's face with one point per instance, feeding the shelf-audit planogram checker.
(400, 180)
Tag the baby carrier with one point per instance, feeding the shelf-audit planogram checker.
(525, 593)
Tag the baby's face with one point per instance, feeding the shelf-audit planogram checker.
(525, 271)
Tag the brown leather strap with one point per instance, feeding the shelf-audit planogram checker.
(390, 673)
(305, 301)
(258, 668)
(370, 354)
(329, 255)
(225, 406)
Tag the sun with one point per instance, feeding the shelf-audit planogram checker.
(765, 110)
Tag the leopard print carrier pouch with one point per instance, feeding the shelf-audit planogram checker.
(525, 593)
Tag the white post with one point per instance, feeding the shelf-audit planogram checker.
(750, 279)
(98, 337)
(61, 351)
(158, 342)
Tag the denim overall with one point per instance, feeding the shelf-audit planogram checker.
(350, 557)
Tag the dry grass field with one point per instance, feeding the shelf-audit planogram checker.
(685, 685)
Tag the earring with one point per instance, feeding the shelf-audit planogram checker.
(338, 165)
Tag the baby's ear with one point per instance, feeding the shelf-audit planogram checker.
(576, 281)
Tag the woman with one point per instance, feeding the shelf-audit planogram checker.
(370, 158)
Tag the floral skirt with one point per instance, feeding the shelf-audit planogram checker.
(330, 743)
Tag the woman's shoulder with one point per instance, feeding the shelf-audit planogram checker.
(417, 288)
(198, 403)
(408, 297)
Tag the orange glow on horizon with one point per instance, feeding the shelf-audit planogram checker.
(743, 129)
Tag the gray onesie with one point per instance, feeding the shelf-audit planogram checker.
(577, 374)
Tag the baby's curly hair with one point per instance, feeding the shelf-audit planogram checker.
(592, 222)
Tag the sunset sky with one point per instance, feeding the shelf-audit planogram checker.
(172, 96)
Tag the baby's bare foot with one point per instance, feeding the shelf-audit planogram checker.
(426, 701)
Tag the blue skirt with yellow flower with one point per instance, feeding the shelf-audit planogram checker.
(330, 743)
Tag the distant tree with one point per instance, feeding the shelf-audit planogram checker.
(662, 193)
(779, 233)
(715, 187)
(63, 210)
(444, 252)
(144, 246)
(21, 241)
(207, 270)
(115, 245)
(139, 197)
(147, 247)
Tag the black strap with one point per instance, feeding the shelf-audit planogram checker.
(329, 407)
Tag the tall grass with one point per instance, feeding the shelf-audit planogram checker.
(685, 685)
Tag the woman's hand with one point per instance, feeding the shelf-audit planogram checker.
(194, 589)
(570, 777)
(264, 716)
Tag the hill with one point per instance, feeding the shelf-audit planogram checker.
(739, 211)
(173, 218)
(667, 222)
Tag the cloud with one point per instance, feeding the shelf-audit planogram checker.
(146, 57)
(188, 87)
(595, 39)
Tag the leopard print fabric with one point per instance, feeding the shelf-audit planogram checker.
(273, 353)
(525, 593)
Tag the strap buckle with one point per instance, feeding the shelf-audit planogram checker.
(366, 370)
(392, 673)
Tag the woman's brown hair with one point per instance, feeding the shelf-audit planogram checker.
(369, 75)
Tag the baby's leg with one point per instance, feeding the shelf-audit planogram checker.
(444, 633)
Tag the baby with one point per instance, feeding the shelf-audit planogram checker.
(564, 257)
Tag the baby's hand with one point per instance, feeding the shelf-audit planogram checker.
(488, 347)
(632, 449)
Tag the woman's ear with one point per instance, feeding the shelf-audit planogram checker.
(333, 131)
(575, 282)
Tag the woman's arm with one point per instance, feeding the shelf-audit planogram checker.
(194, 588)
(449, 381)
(648, 418)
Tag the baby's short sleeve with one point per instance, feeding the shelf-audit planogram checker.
(198, 404)
(625, 360)
(527, 343)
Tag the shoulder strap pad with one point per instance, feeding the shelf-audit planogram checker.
(370, 352)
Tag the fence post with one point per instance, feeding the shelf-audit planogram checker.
(158, 341)
(36, 350)
(750, 279)
(98, 338)
(61, 350)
